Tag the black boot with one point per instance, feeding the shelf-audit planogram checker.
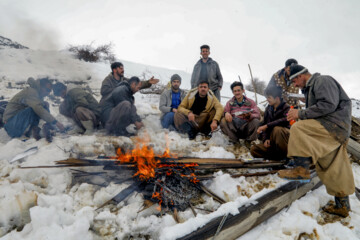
(187, 128)
(341, 207)
(47, 131)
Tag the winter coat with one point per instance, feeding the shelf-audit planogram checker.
(166, 100)
(275, 118)
(327, 102)
(28, 97)
(280, 80)
(212, 103)
(110, 83)
(232, 107)
(214, 75)
(121, 93)
(78, 97)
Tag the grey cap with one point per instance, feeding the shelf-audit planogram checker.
(175, 77)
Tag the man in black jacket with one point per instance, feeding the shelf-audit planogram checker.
(321, 136)
(274, 130)
(118, 110)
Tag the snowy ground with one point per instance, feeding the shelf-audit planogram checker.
(45, 203)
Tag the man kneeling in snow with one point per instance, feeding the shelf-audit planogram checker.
(26, 108)
(274, 130)
(118, 110)
(241, 116)
(169, 101)
(79, 105)
(321, 136)
(200, 111)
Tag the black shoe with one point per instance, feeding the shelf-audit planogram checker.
(35, 132)
(47, 127)
(340, 208)
(304, 162)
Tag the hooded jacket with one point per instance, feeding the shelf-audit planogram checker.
(273, 118)
(28, 97)
(215, 78)
(78, 97)
(327, 102)
(212, 103)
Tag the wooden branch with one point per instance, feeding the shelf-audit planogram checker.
(210, 193)
(251, 216)
(253, 83)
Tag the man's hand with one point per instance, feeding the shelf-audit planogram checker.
(138, 125)
(153, 80)
(261, 129)
(213, 125)
(220, 88)
(191, 117)
(293, 114)
(60, 126)
(267, 143)
(174, 110)
(228, 117)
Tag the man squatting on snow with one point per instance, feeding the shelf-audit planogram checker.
(79, 105)
(200, 111)
(241, 117)
(170, 99)
(321, 136)
(26, 108)
(274, 130)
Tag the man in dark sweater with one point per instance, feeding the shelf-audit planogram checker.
(118, 110)
(274, 130)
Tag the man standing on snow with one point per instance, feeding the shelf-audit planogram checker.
(200, 111)
(118, 110)
(79, 105)
(281, 80)
(241, 117)
(116, 77)
(169, 101)
(25, 109)
(321, 136)
(208, 70)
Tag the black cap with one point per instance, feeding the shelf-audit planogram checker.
(290, 62)
(296, 70)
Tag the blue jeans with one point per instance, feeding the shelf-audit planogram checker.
(168, 120)
(16, 126)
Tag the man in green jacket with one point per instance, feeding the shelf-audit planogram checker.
(26, 108)
(79, 105)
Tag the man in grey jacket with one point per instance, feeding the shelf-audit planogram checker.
(321, 136)
(118, 110)
(169, 101)
(208, 70)
(116, 77)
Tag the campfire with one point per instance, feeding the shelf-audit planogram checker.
(171, 184)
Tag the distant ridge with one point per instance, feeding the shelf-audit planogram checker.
(8, 43)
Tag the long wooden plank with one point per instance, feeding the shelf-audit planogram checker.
(251, 216)
(353, 147)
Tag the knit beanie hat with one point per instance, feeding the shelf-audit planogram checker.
(290, 61)
(296, 70)
(175, 77)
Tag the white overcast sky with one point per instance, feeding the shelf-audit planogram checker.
(322, 35)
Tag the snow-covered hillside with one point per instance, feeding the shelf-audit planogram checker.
(43, 203)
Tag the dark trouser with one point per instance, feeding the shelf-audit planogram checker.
(279, 139)
(202, 121)
(16, 126)
(85, 114)
(168, 120)
(235, 131)
(121, 116)
(217, 94)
